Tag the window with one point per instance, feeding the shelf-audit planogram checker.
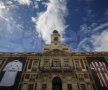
(30, 64)
(69, 86)
(81, 77)
(88, 86)
(46, 62)
(24, 87)
(34, 69)
(66, 63)
(77, 65)
(35, 62)
(32, 77)
(86, 76)
(30, 87)
(82, 86)
(56, 63)
(36, 86)
(44, 87)
(27, 76)
(82, 64)
(35, 65)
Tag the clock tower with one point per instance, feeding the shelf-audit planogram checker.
(55, 43)
(55, 38)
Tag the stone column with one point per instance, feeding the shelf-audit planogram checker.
(39, 86)
(64, 86)
(74, 86)
(49, 86)
(89, 87)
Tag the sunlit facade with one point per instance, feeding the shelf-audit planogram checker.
(56, 68)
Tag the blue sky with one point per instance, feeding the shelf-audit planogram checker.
(26, 25)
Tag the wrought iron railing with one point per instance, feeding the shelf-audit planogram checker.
(45, 68)
(56, 68)
(67, 69)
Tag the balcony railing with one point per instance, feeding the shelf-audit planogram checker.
(45, 68)
(56, 68)
(67, 69)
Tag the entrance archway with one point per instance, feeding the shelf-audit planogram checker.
(56, 83)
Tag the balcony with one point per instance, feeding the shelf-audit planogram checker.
(45, 68)
(48, 68)
(67, 69)
(56, 69)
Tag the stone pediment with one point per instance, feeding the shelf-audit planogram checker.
(56, 52)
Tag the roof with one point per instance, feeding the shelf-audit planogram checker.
(55, 31)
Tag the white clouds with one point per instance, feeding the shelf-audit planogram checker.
(35, 5)
(33, 19)
(97, 40)
(38, 0)
(1, 8)
(9, 30)
(100, 41)
(32, 3)
(85, 45)
(2, 5)
(3, 18)
(101, 26)
(13, 36)
(52, 18)
(24, 2)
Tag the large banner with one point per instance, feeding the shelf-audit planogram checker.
(11, 73)
(98, 69)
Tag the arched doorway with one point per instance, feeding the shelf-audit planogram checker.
(56, 83)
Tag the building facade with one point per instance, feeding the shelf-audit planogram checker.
(56, 68)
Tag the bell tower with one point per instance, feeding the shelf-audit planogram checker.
(55, 38)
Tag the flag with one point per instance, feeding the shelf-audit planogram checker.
(101, 70)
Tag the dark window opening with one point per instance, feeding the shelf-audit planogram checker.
(30, 87)
(44, 87)
(69, 86)
(82, 86)
(56, 84)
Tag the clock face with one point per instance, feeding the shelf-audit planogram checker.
(55, 38)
